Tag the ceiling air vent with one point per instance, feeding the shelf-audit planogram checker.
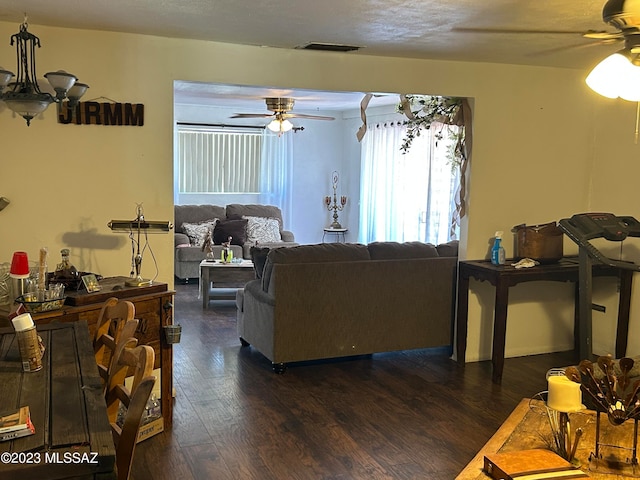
(329, 47)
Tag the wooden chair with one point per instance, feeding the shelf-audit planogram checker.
(115, 322)
(125, 437)
(139, 360)
(135, 400)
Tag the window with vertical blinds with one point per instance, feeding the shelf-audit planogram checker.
(217, 160)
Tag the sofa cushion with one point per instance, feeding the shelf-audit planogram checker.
(324, 252)
(252, 210)
(195, 214)
(449, 249)
(197, 232)
(259, 258)
(396, 251)
(236, 229)
(262, 230)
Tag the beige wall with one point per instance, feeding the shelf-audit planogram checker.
(538, 136)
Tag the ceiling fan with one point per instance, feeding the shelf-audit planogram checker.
(624, 15)
(281, 108)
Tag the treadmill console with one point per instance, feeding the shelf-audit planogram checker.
(583, 227)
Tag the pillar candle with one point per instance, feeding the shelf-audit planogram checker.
(564, 395)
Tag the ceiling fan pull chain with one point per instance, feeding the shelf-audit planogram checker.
(637, 121)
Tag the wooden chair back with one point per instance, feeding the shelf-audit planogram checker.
(125, 436)
(115, 321)
(138, 360)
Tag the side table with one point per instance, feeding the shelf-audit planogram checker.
(223, 276)
(504, 276)
(338, 233)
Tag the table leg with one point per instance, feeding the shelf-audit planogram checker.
(624, 307)
(205, 285)
(462, 318)
(499, 330)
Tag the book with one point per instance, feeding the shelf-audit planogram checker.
(18, 420)
(536, 464)
(28, 430)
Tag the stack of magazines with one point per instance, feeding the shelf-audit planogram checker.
(16, 424)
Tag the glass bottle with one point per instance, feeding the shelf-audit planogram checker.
(64, 270)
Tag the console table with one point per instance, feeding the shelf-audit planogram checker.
(154, 310)
(502, 277)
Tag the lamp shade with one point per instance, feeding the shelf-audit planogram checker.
(28, 104)
(61, 80)
(77, 91)
(616, 76)
(5, 78)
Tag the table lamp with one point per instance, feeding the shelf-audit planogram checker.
(135, 228)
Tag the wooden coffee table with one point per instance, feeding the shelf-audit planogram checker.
(226, 278)
(528, 427)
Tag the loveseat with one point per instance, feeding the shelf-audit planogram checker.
(335, 300)
(245, 224)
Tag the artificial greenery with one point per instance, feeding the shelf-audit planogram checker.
(426, 110)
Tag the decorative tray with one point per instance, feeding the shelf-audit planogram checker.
(34, 306)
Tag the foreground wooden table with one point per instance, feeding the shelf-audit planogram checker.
(73, 436)
(502, 277)
(528, 427)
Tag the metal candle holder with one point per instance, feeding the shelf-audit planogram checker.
(335, 207)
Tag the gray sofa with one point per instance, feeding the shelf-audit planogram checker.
(335, 300)
(189, 254)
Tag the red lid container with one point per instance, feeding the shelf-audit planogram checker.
(19, 265)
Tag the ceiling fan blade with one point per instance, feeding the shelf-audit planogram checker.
(523, 30)
(574, 47)
(310, 117)
(252, 115)
(603, 35)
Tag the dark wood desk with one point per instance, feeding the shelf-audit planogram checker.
(67, 409)
(502, 277)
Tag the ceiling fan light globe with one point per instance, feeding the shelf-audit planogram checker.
(274, 126)
(630, 83)
(605, 78)
(280, 126)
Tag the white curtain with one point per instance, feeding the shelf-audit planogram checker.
(276, 172)
(407, 196)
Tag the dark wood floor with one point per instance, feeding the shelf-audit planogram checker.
(404, 415)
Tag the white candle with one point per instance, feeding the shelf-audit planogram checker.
(564, 394)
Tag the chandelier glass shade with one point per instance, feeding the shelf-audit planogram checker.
(23, 95)
(618, 75)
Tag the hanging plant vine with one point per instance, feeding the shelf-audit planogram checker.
(422, 111)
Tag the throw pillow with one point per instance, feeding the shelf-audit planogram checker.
(197, 232)
(263, 230)
(259, 257)
(236, 229)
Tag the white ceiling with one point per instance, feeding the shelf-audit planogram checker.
(427, 29)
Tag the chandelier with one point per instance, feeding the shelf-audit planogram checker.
(23, 95)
